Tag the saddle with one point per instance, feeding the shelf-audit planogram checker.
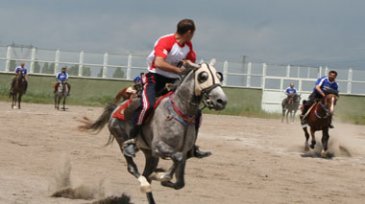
(126, 110)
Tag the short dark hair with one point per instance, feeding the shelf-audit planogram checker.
(332, 72)
(185, 25)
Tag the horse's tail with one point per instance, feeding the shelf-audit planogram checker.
(100, 122)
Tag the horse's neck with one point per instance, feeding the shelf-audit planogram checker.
(184, 96)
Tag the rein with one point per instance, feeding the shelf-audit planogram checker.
(325, 109)
(177, 114)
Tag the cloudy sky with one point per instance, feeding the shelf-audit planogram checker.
(311, 32)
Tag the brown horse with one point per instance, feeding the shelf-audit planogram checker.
(17, 90)
(319, 118)
(290, 106)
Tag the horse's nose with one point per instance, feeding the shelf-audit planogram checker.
(222, 102)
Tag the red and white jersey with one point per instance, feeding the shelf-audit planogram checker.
(173, 52)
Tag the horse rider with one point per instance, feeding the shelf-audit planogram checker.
(169, 50)
(290, 91)
(20, 70)
(323, 84)
(62, 77)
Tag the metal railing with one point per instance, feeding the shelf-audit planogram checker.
(126, 66)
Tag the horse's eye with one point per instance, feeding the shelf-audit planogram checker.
(220, 76)
(202, 77)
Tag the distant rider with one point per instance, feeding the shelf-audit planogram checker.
(62, 77)
(20, 70)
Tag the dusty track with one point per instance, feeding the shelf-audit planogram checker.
(254, 161)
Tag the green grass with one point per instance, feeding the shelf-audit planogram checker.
(90, 92)
(98, 92)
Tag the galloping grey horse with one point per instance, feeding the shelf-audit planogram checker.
(290, 106)
(170, 131)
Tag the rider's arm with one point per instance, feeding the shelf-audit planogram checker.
(319, 83)
(161, 63)
(318, 88)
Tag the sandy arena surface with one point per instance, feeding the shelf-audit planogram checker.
(253, 161)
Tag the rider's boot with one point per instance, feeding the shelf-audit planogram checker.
(195, 151)
(129, 146)
(200, 154)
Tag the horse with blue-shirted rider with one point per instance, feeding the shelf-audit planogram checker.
(318, 111)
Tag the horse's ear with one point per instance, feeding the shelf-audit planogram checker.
(212, 62)
(191, 65)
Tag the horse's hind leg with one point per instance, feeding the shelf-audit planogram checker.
(306, 145)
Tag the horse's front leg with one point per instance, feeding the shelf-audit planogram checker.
(287, 116)
(64, 103)
(313, 142)
(325, 138)
(283, 115)
(19, 100)
(306, 145)
(179, 163)
(13, 101)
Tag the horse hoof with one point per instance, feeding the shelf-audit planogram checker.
(306, 148)
(145, 185)
(326, 155)
(160, 176)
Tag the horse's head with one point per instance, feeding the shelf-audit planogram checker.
(330, 102)
(207, 84)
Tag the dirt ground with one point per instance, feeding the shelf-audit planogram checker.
(253, 161)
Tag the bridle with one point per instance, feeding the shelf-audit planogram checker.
(323, 106)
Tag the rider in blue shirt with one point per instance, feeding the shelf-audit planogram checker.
(62, 77)
(20, 70)
(323, 84)
(291, 89)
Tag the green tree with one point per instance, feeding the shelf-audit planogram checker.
(12, 65)
(86, 71)
(73, 70)
(37, 67)
(100, 74)
(49, 69)
(45, 68)
(118, 73)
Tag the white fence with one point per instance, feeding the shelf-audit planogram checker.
(268, 77)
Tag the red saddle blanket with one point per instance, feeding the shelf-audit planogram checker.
(119, 114)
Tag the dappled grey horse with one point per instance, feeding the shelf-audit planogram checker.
(170, 132)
